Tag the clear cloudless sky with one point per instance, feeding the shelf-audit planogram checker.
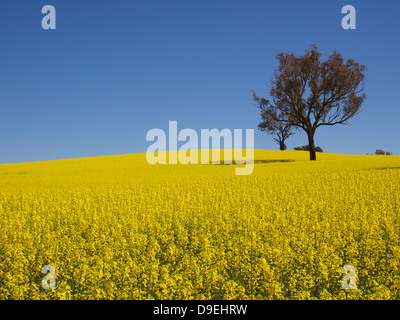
(112, 70)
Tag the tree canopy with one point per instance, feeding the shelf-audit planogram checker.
(307, 93)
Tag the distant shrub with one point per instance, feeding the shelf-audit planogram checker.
(307, 148)
(382, 152)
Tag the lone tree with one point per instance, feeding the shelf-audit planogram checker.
(308, 93)
(282, 130)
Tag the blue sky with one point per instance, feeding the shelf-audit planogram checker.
(112, 70)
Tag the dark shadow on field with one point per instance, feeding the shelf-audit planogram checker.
(386, 168)
(20, 172)
(255, 162)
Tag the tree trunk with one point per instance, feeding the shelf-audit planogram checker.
(281, 142)
(311, 146)
(282, 145)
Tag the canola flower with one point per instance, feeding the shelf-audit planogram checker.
(118, 228)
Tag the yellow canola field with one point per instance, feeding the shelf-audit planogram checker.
(115, 227)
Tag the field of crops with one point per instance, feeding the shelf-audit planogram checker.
(116, 227)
